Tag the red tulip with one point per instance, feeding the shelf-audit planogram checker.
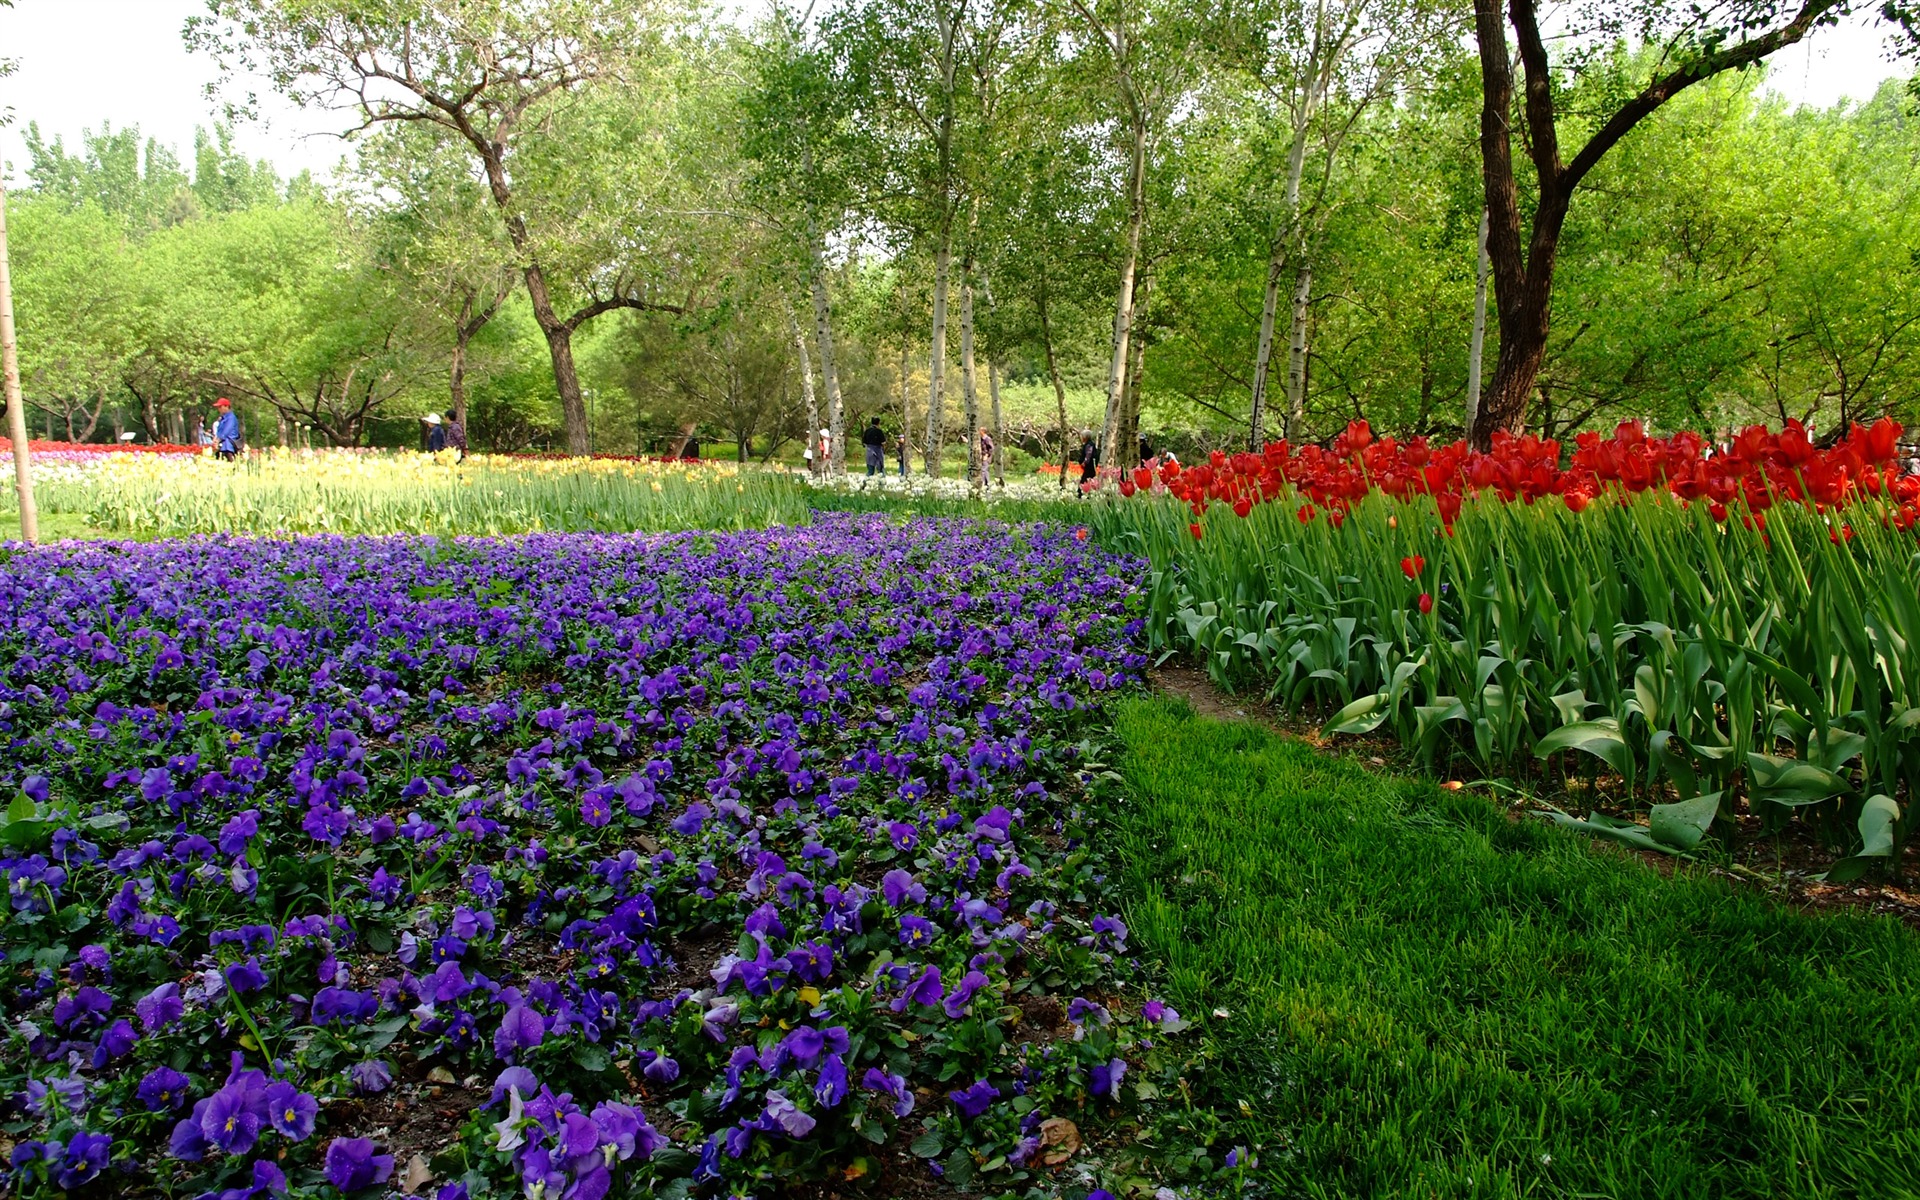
(1426, 603)
(1127, 488)
(1304, 513)
(1142, 477)
(1242, 507)
(1413, 565)
(1577, 501)
(1195, 531)
(1882, 441)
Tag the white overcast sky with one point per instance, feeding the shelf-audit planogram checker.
(83, 63)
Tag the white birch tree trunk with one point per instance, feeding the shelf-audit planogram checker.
(16, 408)
(1479, 329)
(969, 380)
(1297, 357)
(1263, 350)
(812, 441)
(999, 424)
(1059, 385)
(1123, 306)
(906, 408)
(829, 372)
(937, 359)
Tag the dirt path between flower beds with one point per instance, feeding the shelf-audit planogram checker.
(1789, 878)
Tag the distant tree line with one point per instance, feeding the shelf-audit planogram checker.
(619, 225)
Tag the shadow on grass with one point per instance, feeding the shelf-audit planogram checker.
(1427, 998)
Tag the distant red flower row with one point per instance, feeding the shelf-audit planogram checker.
(44, 447)
(1757, 468)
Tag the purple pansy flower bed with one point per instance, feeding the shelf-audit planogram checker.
(677, 864)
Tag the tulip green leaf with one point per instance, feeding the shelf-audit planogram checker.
(1790, 781)
(1879, 818)
(1362, 716)
(1682, 825)
(1614, 829)
(1670, 753)
(1599, 738)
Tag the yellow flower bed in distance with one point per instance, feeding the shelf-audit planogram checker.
(359, 491)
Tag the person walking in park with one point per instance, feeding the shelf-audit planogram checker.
(436, 433)
(900, 451)
(1088, 458)
(876, 443)
(226, 431)
(456, 435)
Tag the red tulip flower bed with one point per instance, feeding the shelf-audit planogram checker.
(1729, 641)
(39, 446)
(1755, 470)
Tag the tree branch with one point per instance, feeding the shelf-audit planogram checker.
(1666, 87)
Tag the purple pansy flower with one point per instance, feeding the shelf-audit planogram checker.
(352, 1164)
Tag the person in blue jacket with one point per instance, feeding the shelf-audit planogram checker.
(226, 431)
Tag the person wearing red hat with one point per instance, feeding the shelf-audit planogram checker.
(226, 431)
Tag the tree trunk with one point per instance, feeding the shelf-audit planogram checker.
(937, 360)
(10, 391)
(1297, 350)
(906, 406)
(1523, 276)
(1129, 455)
(566, 378)
(999, 424)
(1263, 350)
(1123, 306)
(969, 380)
(999, 464)
(1291, 235)
(457, 378)
(829, 374)
(1479, 330)
(1059, 387)
(812, 440)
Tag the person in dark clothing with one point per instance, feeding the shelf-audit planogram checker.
(876, 444)
(1088, 458)
(1146, 451)
(436, 434)
(456, 436)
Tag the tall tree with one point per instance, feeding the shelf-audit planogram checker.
(1314, 68)
(1682, 44)
(905, 57)
(1142, 52)
(798, 133)
(9, 363)
(498, 76)
(440, 236)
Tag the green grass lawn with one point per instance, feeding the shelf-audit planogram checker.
(54, 527)
(1427, 998)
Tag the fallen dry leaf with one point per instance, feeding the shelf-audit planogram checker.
(416, 1175)
(1062, 1139)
